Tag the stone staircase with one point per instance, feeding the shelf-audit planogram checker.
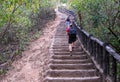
(66, 68)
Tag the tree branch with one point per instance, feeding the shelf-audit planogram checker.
(9, 22)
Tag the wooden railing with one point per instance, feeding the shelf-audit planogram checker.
(103, 56)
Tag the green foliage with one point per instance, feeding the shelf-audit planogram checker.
(21, 20)
(63, 1)
(2, 71)
(118, 72)
(101, 18)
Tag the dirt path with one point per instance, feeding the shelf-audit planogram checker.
(32, 65)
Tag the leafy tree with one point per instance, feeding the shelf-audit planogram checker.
(101, 18)
(20, 20)
(63, 1)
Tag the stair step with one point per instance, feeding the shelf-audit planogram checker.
(67, 50)
(78, 52)
(60, 37)
(57, 47)
(72, 73)
(60, 40)
(63, 44)
(59, 34)
(63, 47)
(68, 53)
(60, 45)
(66, 68)
(64, 57)
(56, 61)
(71, 66)
(67, 79)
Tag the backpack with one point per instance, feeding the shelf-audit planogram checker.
(72, 31)
(68, 19)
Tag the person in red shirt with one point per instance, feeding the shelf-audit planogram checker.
(71, 32)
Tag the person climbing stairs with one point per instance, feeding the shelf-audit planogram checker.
(65, 68)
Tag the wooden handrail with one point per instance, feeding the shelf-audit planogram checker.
(109, 49)
(113, 53)
(105, 56)
(102, 54)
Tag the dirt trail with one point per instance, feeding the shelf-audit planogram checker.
(32, 65)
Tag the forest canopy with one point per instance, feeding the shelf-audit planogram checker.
(101, 18)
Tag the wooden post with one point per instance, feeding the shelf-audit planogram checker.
(114, 70)
(80, 18)
(90, 44)
(105, 60)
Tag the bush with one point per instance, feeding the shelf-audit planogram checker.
(24, 24)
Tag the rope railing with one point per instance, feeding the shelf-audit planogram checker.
(105, 58)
